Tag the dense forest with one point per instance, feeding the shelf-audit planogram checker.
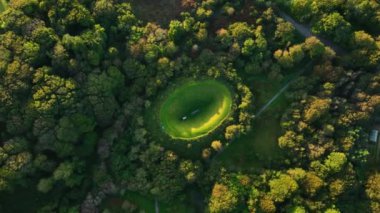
(83, 84)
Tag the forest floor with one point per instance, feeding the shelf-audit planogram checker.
(144, 203)
(157, 11)
(28, 199)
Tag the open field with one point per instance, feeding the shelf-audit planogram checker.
(374, 149)
(195, 109)
(258, 148)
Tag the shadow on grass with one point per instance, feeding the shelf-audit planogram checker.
(258, 148)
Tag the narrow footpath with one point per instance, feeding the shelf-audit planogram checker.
(282, 90)
(156, 207)
(306, 32)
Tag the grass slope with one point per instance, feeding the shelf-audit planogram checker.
(3, 5)
(195, 109)
(258, 148)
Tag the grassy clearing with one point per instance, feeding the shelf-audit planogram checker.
(259, 147)
(256, 149)
(184, 148)
(157, 11)
(3, 5)
(195, 109)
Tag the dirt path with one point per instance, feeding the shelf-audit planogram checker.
(305, 31)
(156, 207)
(282, 90)
(377, 146)
(377, 152)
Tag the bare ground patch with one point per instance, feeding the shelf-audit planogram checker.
(157, 11)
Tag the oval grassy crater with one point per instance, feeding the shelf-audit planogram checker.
(195, 109)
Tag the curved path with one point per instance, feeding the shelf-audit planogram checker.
(305, 31)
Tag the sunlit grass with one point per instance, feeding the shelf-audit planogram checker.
(3, 5)
(195, 109)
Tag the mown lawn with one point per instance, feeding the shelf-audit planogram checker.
(194, 109)
(258, 148)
